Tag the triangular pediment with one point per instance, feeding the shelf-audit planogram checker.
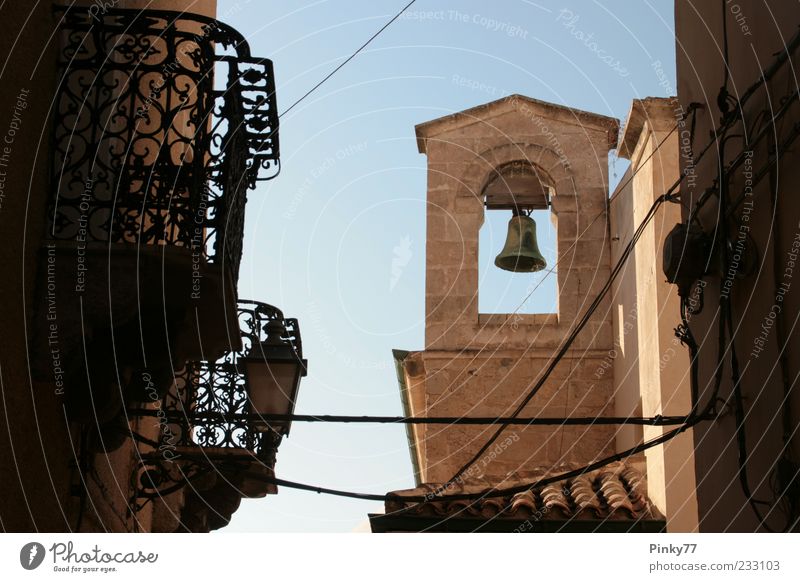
(524, 106)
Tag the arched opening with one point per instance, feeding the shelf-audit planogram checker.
(517, 189)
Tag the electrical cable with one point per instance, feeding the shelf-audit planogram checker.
(782, 57)
(347, 60)
(758, 176)
(686, 423)
(785, 473)
(684, 333)
(784, 464)
(623, 257)
(619, 190)
(766, 76)
(657, 420)
(780, 324)
(726, 318)
(741, 435)
(489, 493)
(638, 448)
(724, 98)
(570, 338)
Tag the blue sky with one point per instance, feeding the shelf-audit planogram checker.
(338, 239)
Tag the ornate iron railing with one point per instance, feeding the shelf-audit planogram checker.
(162, 121)
(208, 404)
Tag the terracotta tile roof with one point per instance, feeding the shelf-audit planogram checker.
(617, 492)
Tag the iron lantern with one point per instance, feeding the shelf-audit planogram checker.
(273, 369)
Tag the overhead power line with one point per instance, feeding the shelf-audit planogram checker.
(347, 60)
(683, 424)
(657, 420)
(668, 195)
(488, 420)
(619, 189)
(570, 338)
(489, 493)
(598, 464)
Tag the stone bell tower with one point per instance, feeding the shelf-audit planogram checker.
(546, 156)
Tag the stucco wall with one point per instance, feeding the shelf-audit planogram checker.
(756, 31)
(35, 446)
(650, 365)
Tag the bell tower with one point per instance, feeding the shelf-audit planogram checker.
(515, 154)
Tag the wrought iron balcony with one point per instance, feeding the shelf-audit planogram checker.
(207, 420)
(162, 121)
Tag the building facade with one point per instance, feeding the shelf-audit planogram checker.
(703, 246)
(546, 365)
(130, 365)
(695, 338)
(737, 67)
(650, 363)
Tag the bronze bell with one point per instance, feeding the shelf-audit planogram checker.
(521, 253)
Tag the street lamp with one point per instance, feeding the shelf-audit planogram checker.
(273, 369)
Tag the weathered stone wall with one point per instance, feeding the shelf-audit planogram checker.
(491, 384)
(483, 365)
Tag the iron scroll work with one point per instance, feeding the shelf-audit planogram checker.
(206, 421)
(162, 122)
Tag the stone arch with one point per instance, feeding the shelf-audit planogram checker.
(546, 160)
(469, 200)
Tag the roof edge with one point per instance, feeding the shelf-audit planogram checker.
(399, 357)
(515, 101)
(652, 110)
